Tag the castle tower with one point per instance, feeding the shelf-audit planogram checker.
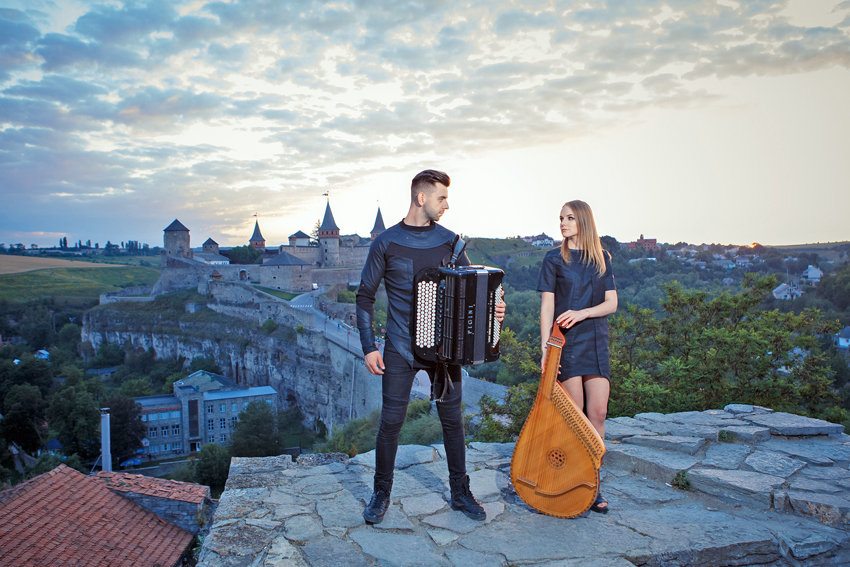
(329, 239)
(379, 225)
(257, 240)
(175, 243)
(210, 246)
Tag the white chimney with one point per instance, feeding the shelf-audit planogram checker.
(105, 446)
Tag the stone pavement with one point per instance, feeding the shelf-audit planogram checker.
(766, 488)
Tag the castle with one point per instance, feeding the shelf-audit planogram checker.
(292, 267)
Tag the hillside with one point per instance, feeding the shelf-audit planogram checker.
(502, 253)
(73, 285)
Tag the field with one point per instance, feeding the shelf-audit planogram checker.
(71, 285)
(503, 252)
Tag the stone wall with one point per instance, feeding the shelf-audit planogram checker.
(186, 515)
(287, 278)
(128, 294)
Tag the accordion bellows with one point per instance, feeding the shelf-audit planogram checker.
(454, 319)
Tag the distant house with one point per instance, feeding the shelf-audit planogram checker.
(743, 261)
(812, 274)
(64, 517)
(541, 240)
(42, 355)
(104, 373)
(843, 338)
(787, 291)
(725, 264)
(299, 239)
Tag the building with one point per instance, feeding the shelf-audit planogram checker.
(379, 226)
(286, 272)
(210, 254)
(257, 241)
(203, 409)
(64, 517)
(812, 274)
(299, 239)
(787, 291)
(843, 338)
(646, 243)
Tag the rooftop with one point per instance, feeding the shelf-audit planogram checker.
(64, 517)
(246, 393)
(158, 400)
(149, 486)
(285, 259)
(176, 226)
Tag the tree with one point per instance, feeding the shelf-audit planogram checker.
(207, 364)
(69, 336)
(74, 417)
(521, 360)
(136, 388)
(256, 433)
(502, 422)
(213, 465)
(23, 417)
(126, 427)
(244, 255)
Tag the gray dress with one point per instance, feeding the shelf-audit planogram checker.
(577, 286)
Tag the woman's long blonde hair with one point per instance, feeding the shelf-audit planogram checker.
(588, 237)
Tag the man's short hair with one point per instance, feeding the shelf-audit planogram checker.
(426, 180)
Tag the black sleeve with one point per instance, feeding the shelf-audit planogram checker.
(370, 279)
(548, 275)
(610, 284)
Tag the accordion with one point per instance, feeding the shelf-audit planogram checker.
(454, 318)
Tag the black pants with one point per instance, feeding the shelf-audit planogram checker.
(397, 383)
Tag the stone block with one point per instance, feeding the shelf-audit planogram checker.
(651, 463)
(643, 491)
(808, 485)
(768, 462)
(302, 529)
(830, 509)
(333, 552)
(283, 554)
(442, 537)
(747, 434)
(616, 431)
(457, 522)
(423, 505)
(725, 456)
(397, 550)
(467, 558)
(653, 417)
(736, 486)
(500, 449)
(678, 531)
(822, 452)
(781, 423)
(487, 484)
(687, 445)
(744, 408)
(826, 473)
(394, 520)
(344, 511)
(626, 421)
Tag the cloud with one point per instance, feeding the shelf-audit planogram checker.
(323, 93)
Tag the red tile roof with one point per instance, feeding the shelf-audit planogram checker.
(149, 486)
(64, 517)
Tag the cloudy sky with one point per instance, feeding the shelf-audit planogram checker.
(701, 120)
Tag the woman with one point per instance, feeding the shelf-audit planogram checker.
(578, 293)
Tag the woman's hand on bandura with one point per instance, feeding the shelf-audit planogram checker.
(569, 318)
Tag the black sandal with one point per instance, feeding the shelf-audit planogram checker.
(601, 505)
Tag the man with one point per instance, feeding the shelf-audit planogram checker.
(396, 256)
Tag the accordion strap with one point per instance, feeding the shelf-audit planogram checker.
(443, 384)
(459, 245)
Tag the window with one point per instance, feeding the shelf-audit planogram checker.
(223, 423)
(165, 447)
(222, 408)
(211, 439)
(223, 436)
(233, 421)
(163, 431)
(211, 425)
(177, 446)
(175, 429)
(153, 417)
(210, 408)
(233, 406)
(144, 417)
(152, 433)
(174, 415)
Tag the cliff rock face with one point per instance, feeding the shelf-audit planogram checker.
(303, 367)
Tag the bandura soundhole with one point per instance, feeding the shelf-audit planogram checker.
(557, 458)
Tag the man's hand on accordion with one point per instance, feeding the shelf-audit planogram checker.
(374, 362)
(500, 309)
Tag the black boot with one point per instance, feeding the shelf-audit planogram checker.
(463, 500)
(377, 506)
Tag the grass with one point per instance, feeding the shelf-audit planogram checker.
(73, 285)
(521, 253)
(277, 293)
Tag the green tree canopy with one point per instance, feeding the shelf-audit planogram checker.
(23, 417)
(256, 433)
(244, 255)
(127, 430)
(213, 465)
(75, 418)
